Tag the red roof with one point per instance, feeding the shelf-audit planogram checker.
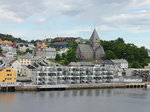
(68, 38)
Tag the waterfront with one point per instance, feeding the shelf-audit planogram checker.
(91, 100)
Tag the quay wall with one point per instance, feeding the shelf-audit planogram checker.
(68, 87)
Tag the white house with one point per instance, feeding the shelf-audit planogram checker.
(63, 50)
(26, 59)
(120, 63)
(15, 65)
(48, 53)
(23, 46)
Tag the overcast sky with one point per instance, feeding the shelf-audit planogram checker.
(37, 19)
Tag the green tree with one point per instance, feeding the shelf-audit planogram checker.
(0, 51)
(135, 64)
(110, 54)
(63, 56)
(28, 50)
(71, 55)
(58, 57)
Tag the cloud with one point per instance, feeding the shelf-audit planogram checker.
(107, 15)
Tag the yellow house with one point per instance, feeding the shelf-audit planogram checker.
(6, 42)
(7, 75)
(39, 44)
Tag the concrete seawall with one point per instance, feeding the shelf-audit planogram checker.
(68, 87)
(95, 86)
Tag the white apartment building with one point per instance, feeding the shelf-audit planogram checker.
(53, 75)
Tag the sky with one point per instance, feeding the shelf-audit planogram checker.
(39, 19)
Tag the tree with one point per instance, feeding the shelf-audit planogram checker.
(120, 50)
(63, 55)
(135, 64)
(19, 53)
(28, 50)
(0, 51)
(71, 55)
(58, 57)
(110, 54)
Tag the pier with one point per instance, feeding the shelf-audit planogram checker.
(136, 85)
(73, 86)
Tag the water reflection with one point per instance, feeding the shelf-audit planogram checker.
(134, 93)
(105, 100)
(7, 97)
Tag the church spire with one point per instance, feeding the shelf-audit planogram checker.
(94, 36)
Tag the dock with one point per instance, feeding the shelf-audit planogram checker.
(6, 88)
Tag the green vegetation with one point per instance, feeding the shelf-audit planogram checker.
(28, 51)
(118, 49)
(0, 51)
(70, 56)
(19, 53)
(11, 38)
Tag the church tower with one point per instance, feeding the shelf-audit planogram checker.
(94, 40)
(95, 44)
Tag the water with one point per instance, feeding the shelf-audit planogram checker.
(95, 100)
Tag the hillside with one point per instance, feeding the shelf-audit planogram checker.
(118, 49)
(11, 38)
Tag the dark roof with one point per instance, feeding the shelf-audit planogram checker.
(30, 67)
(59, 43)
(85, 48)
(94, 36)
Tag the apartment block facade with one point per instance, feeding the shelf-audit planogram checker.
(53, 75)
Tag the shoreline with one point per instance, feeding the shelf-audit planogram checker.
(72, 87)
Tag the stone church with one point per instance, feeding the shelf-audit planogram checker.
(91, 51)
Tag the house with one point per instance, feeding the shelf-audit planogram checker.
(143, 73)
(12, 63)
(26, 59)
(48, 53)
(42, 45)
(16, 66)
(5, 42)
(6, 48)
(60, 45)
(63, 50)
(127, 79)
(108, 64)
(1, 56)
(65, 39)
(26, 71)
(22, 47)
(7, 75)
(120, 63)
(8, 51)
(91, 51)
(148, 51)
(9, 54)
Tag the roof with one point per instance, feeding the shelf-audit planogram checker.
(59, 43)
(119, 61)
(51, 49)
(94, 36)
(68, 38)
(7, 60)
(85, 48)
(11, 62)
(107, 62)
(82, 64)
(26, 56)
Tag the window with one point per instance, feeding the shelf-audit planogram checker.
(8, 70)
